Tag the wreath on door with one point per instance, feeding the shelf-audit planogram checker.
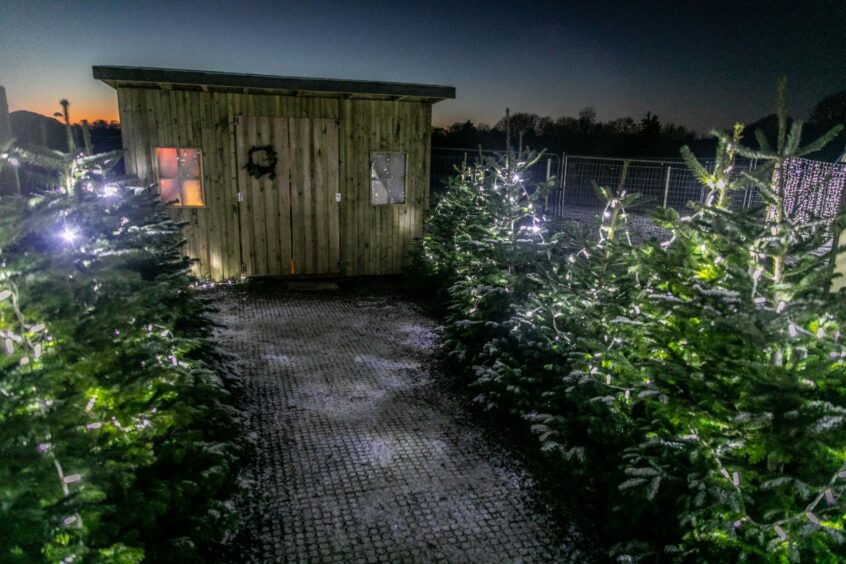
(261, 161)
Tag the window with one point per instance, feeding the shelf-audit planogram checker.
(180, 176)
(387, 178)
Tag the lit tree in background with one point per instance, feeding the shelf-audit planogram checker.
(694, 385)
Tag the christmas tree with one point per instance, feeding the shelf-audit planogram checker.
(119, 435)
(695, 384)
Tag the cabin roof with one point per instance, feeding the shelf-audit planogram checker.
(146, 77)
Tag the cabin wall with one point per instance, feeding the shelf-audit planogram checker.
(377, 239)
(374, 239)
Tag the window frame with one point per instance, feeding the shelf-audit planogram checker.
(202, 176)
(404, 178)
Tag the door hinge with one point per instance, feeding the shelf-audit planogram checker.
(338, 197)
(240, 196)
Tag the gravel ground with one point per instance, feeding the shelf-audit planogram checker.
(362, 456)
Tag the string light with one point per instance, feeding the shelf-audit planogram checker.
(810, 189)
(69, 234)
(623, 388)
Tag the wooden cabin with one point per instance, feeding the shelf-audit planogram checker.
(281, 175)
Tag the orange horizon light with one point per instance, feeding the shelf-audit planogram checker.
(107, 115)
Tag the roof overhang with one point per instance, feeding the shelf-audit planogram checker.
(167, 79)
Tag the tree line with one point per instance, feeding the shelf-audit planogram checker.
(627, 136)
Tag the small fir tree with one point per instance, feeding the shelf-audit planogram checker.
(695, 384)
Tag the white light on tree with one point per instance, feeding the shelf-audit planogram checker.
(69, 234)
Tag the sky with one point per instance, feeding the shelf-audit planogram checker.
(703, 64)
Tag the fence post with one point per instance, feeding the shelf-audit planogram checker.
(747, 195)
(563, 181)
(9, 182)
(667, 185)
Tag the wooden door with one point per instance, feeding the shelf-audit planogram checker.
(289, 224)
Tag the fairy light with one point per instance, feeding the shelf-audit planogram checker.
(819, 199)
(829, 496)
(69, 234)
(811, 189)
(27, 345)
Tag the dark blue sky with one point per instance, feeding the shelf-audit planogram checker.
(701, 64)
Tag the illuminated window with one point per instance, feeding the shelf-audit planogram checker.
(180, 176)
(387, 178)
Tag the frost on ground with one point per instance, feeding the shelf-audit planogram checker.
(360, 455)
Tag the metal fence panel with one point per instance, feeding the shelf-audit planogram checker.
(814, 189)
(445, 161)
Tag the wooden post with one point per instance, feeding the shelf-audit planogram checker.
(507, 137)
(86, 138)
(9, 182)
(562, 182)
(838, 247)
(838, 258)
(68, 128)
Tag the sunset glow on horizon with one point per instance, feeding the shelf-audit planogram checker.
(692, 67)
(77, 116)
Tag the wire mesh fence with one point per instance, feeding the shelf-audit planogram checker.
(660, 183)
(445, 161)
(813, 189)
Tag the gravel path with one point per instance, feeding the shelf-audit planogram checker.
(361, 456)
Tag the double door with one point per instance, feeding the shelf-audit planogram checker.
(289, 219)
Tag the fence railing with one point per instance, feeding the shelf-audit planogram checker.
(814, 188)
(664, 183)
(445, 161)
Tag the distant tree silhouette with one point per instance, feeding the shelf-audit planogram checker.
(576, 135)
(830, 111)
(587, 118)
(650, 125)
(627, 137)
(522, 123)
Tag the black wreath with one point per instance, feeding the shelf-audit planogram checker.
(257, 170)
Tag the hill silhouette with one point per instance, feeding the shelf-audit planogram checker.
(30, 128)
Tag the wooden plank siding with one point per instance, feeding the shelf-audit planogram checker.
(367, 239)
